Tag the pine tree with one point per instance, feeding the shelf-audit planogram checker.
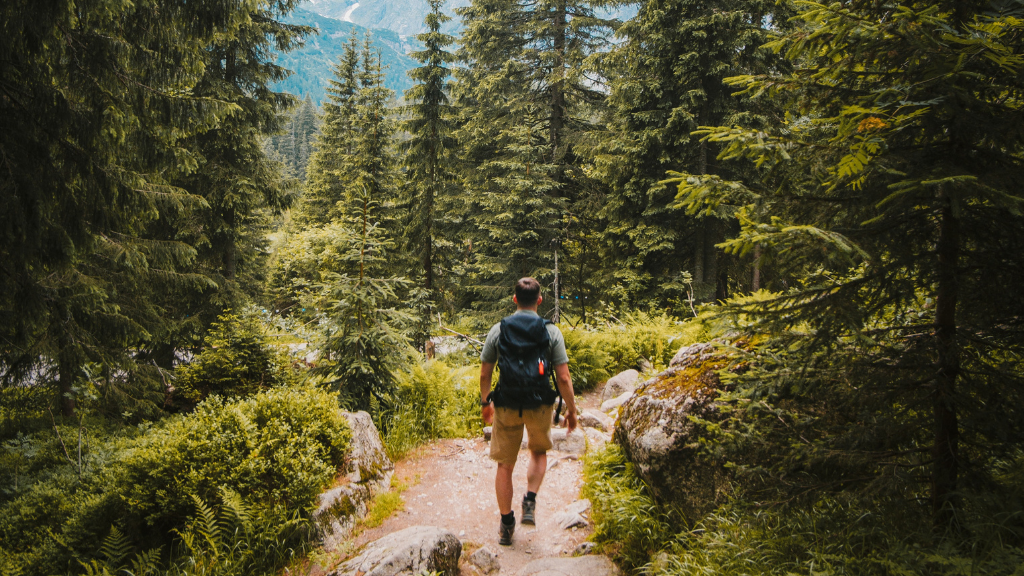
(666, 81)
(240, 184)
(526, 102)
(95, 113)
(325, 177)
(428, 152)
(895, 214)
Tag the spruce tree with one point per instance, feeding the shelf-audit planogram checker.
(666, 81)
(95, 115)
(429, 149)
(895, 215)
(325, 177)
(526, 101)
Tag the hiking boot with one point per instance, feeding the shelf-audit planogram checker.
(529, 507)
(505, 533)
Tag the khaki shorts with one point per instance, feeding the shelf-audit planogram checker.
(507, 434)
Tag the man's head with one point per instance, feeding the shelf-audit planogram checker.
(527, 293)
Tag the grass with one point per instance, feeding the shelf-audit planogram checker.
(384, 505)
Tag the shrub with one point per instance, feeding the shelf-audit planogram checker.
(836, 535)
(432, 400)
(278, 448)
(282, 446)
(598, 352)
(628, 523)
(235, 361)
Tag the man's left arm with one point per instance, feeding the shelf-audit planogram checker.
(564, 383)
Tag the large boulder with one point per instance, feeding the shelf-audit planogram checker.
(581, 566)
(415, 550)
(658, 432)
(625, 381)
(367, 472)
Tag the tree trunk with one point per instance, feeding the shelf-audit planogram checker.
(946, 433)
(68, 371)
(230, 254)
(755, 282)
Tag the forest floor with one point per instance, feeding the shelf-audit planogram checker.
(451, 485)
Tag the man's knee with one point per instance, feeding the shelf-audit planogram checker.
(539, 453)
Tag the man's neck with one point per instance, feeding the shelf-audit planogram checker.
(526, 309)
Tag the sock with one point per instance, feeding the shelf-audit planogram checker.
(508, 519)
(531, 497)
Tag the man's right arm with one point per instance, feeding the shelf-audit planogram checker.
(486, 372)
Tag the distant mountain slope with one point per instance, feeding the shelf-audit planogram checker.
(406, 16)
(402, 16)
(312, 64)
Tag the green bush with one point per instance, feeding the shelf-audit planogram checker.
(833, 536)
(279, 449)
(234, 539)
(282, 446)
(628, 524)
(600, 351)
(235, 361)
(432, 400)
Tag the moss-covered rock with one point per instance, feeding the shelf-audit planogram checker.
(661, 427)
(367, 471)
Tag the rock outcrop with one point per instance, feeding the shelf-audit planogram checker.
(415, 550)
(367, 472)
(657, 433)
(582, 566)
(625, 381)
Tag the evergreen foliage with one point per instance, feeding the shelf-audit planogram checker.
(525, 100)
(280, 448)
(889, 198)
(666, 79)
(235, 361)
(428, 157)
(294, 147)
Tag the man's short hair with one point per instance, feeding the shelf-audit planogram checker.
(527, 291)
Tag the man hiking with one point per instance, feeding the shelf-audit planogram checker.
(528, 351)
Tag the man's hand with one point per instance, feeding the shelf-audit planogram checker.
(570, 420)
(488, 414)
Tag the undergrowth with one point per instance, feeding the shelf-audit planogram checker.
(432, 400)
(834, 536)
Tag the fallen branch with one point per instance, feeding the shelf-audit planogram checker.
(470, 338)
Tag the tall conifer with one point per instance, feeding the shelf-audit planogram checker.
(526, 101)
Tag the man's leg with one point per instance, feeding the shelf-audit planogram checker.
(535, 473)
(503, 486)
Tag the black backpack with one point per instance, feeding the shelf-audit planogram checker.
(525, 377)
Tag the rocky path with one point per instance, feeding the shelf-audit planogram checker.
(450, 485)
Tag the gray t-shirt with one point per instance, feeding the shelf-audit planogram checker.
(556, 350)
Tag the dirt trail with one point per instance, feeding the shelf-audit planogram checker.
(451, 485)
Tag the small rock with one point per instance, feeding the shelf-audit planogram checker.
(591, 565)
(596, 438)
(579, 507)
(625, 381)
(583, 549)
(486, 560)
(411, 551)
(574, 443)
(594, 419)
(567, 520)
(614, 403)
(487, 433)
